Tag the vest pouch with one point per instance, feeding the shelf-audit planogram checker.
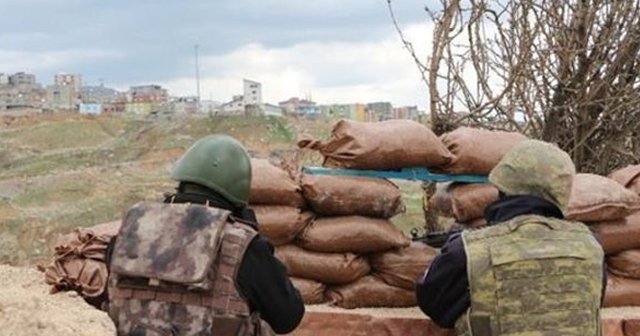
(167, 246)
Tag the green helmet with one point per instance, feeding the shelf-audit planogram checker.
(536, 168)
(220, 163)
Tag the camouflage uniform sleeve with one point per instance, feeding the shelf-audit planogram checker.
(263, 281)
(443, 292)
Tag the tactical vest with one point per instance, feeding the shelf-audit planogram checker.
(173, 272)
(533, 276)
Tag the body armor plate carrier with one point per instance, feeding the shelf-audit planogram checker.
(173, 272)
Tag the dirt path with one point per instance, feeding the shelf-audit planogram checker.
(27, 308)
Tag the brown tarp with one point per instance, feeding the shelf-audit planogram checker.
(477, 151)
(370, 291)
(351, 195)
(621, 292)
(328, 268)
(79, 262)
(629, 177)
(271, 185)
(625, 264)
(351, 234)
(597, 198)
(312, 292)
(468, 201)
(281, 224)
(391, 144)
(402, 267)
(619, 235)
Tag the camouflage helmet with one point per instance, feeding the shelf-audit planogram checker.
(536, 168)
(220, 163)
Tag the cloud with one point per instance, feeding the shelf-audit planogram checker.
(57, 61)
(332, 72)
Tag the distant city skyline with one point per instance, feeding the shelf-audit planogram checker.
(334, 51)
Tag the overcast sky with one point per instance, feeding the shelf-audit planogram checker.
(337, 51)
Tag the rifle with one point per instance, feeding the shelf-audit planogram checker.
(433, 239)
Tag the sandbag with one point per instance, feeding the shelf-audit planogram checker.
(597, 198)
(271, 185)
(351, 234)
(329, 268)
(79, 263)
(621, 292)
(629, 177)
(351, 195)
(468, 201)
(312, 292)
(370, 291)
(385, 145)
(477, 151)
(619, 235)
(402, 267)
(625, 264)
(281, 224)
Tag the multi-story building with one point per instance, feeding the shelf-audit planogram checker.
(61, 97)
(234, 107)
(380, 110)
(72, 80)
(252, 92)
(300, 107)
(20, 91)
(146, 99)
(406, 112)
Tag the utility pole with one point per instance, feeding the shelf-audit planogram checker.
(197, 76)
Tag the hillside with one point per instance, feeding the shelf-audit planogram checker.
(59, 172)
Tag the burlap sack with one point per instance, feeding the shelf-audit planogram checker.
(386, 145)
(629, 177)
(281, 224)
(271, 185)
(468, 201)
(597, 198)
(619, 235)
(79, 262)
(370, 291)
(351, 234)
(621, 292)
(312, 292)
(329, 268)
(477, 151)
(402, 267)
(440, 201)
(625, 264)
(351, 195)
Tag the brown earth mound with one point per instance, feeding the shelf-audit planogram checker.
(27, 308)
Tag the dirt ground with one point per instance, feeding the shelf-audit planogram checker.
(27, 308)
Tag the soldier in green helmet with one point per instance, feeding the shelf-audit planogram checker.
(195, 264)
(530, 271)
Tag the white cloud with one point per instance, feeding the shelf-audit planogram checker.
(54, 61)
(332, 72)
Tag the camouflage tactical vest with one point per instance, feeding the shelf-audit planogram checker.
(533, 276)
(173, 272)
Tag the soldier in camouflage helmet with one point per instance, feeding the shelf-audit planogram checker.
(195, 264)
(530, 271)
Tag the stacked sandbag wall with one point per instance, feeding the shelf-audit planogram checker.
(378, 266)
(611, 207)
(281, 214)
